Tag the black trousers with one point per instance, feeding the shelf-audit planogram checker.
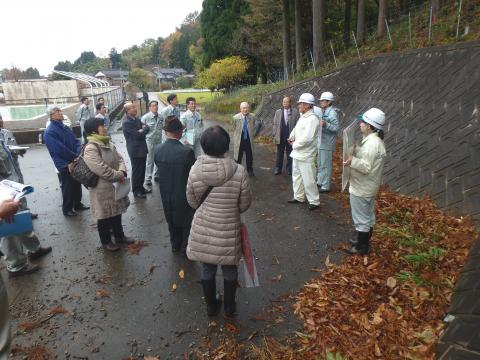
(246, 147)
(138, 174)
(105, 225)
(179, 237)
(71, 191)
(284, 147)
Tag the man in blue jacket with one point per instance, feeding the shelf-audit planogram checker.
(64, 148)
(329, 123)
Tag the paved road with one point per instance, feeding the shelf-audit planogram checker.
(143, 315)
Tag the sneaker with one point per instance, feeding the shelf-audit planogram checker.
(39, 253)
(147, 190)
(313, 207)
(27, 269)
(70, 213)
(111, 247)
(139, 195)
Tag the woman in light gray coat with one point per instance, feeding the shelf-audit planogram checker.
(104, 160)
(218, 188)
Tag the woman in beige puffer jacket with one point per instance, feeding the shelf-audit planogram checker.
(215, 234)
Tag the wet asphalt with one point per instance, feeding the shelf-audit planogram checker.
(142, 314)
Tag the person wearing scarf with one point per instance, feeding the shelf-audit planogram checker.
(103, 159)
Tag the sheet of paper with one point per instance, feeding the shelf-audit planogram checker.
(348, 148)
(16, 147)
(122, 190)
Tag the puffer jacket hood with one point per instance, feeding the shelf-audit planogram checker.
(215, 171)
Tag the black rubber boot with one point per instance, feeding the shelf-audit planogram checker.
(230, 288)
(354, 242)
(213, 300)
(362, 247)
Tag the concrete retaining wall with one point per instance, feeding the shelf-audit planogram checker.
(431, 98)
(18, 92)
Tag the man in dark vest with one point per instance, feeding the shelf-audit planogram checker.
(284, 121)
(174, 160)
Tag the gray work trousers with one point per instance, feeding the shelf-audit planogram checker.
(14, 246)
(363, 212)
(230, 272)
(151, 167)
(4, 323)
(324, 174)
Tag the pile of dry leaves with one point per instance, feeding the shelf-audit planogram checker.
(389, 304)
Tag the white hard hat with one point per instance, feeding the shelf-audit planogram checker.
(327, 95)
(374, 117)
(307, 98)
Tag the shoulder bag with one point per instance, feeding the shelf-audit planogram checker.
(80, 171)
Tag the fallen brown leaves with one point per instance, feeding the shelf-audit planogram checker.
(392, 304)
(36, 352)
(135, 248)
(26, 326)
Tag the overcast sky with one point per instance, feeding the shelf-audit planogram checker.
(41, 33)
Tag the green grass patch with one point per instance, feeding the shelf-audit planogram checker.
(202, 98)
(333, 356)
(404, 276)
(424, 258)
(229, 104)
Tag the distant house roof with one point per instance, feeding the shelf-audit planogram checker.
(114, 74)
(168, 73)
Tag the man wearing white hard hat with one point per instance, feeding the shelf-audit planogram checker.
(304, 139)
(366, 166)
(326, 146)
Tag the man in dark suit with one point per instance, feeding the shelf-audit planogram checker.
(134, 132)
(284, 121)
(174, 160)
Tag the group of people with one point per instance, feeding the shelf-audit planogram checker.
(308, 139)
(144, 135)
(203, 191)
(202, 196)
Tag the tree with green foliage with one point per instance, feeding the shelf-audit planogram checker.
(220, 20)
(15, 74)
(85, 57)
(189, 35)
(156, 51)
(63, 66)
(115, 58)
(140, 78)
(224, 74)
(258, 25)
